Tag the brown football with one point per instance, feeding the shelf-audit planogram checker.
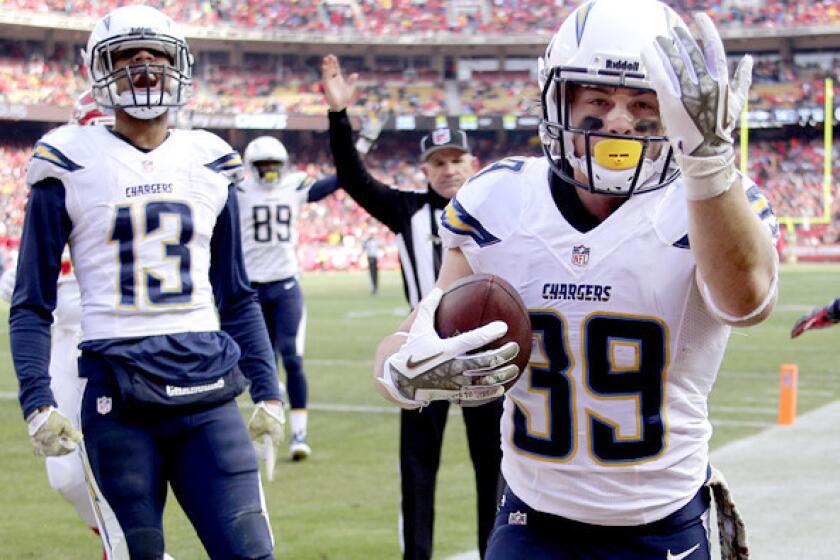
(480, 299)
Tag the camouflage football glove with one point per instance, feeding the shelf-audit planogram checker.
(699, 105)
(267, 430)
(52, 434)
(429, 368)
(818, 318)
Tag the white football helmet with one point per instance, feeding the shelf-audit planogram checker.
(600, 44)
(266, 149)
(152, 88)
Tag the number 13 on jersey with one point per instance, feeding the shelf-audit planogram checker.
(164, 273)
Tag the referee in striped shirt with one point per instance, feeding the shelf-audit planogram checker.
(414, 217)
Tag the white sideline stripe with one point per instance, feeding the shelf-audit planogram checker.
(338, 362)
(785, 481)
(393, 312)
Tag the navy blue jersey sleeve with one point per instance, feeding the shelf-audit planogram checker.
(322, 188)
(239, 309)
(46, 229)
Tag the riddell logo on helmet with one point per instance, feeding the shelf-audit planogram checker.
(625, 65)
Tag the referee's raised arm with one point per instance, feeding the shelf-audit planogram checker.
(381, 201)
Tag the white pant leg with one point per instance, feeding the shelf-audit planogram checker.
(66, 474)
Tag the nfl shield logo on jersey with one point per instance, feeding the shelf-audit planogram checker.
(103, 405)
(580, 255)
(517, 518)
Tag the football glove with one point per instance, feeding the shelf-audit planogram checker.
(428, 368)
(818, 318)
(267, 430)
(698, 104)
(52, 434)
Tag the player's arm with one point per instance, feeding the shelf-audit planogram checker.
(322, 188)
(414, 365)
(818, 318)
(239, 310)
(736, 259)
(46, 229)
(377, 198)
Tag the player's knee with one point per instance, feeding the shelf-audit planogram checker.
(250, 537)
(292, 363)
(144, 544)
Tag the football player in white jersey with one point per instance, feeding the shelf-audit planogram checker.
(270, 197)
(635, 244)
(170, 327)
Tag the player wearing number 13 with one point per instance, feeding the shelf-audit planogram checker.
(635, 244)
(169, 322)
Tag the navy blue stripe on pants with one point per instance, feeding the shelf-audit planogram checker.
(204, 454)
(522, 533)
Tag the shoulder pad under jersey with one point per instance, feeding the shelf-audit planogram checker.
(216, 154)
(298, 180)
(62, 151)
(488, 206)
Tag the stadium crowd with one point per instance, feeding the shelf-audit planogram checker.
(427, 17)
(332, 231)
(26, 77)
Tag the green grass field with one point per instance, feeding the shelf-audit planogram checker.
(342, 503)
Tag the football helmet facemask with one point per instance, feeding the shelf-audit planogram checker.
(86, 112)
(600, 45)
(261, 152)
(151, 88)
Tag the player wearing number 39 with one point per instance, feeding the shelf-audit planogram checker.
(635, 244)
(270, 198)
(169, 322)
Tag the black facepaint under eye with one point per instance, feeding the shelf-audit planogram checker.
(591, 123)
(647, 126)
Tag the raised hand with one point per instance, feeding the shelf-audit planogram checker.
(699, 105)
(338, 90)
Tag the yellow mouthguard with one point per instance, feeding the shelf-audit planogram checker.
(618, 155)
(271, 175)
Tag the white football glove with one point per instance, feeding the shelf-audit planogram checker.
(7, 285)
(698, 105)
(428, 368)
(52, 434)
(267, 430)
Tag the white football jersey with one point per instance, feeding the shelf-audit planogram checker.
(268, 216)
(141, 225)
(608, 425)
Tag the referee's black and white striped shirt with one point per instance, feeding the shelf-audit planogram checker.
(413, 216)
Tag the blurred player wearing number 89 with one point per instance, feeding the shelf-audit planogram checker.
(270, 197)
(169, 323)
(635, 244)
